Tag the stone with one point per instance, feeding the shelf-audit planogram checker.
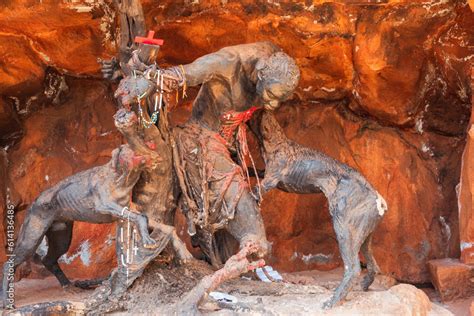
(37, 35)
(384, 39)
(452, 278)
(415, 301)
(450, 51)
(318, 38)
(466, 195)
(25, 70)
(10, 126)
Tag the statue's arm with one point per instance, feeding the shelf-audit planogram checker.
(223, 63)
(132, 23)
(209, 66)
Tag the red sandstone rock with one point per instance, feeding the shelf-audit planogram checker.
(397, 80)
(34, 35)
(466, 196)
(318, 37)
(452, 279)
(466, 212)
(415, 301)
(10, 128)
(25, 69)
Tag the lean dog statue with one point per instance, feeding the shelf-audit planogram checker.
(97, 195)
(355, 206)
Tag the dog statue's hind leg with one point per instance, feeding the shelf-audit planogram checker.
(350, 258)
(31, 234)
(59, 239)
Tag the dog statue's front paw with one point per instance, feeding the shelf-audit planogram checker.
(256, 192)
(150, 243)
(328, 304)
(185, 256)
(72, 289)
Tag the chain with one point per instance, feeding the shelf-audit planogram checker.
(158, 102)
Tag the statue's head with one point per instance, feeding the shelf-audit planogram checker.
(278, 77)
(124, 160)
(131, 88)
(125, 120)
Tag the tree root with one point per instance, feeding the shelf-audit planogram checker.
(49, 308)
(234, 267)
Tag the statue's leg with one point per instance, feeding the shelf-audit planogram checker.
(206, 241)
(31, 234)
(140, 221)
(354, 218)
(223, 196)
(245, 221)
(178, 245)
(247, 224)
(349, 255)
(371, 264)
(59, 239)
(230, 193)
(226, 244)
(371, 218)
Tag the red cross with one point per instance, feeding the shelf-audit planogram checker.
(149, 39)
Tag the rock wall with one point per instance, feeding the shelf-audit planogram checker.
(385, 88)
(466, 194)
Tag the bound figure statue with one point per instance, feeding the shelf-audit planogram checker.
(235, 82)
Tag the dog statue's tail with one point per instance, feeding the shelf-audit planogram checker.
(381, 204)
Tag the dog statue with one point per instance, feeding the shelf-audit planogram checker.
(355, 206)
(97, 195)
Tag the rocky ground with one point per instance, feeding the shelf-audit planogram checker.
(301, 293)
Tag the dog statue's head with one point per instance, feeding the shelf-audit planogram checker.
(125, 119)
(125, 160)
(131, 88)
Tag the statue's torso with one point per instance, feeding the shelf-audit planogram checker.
(233, 90)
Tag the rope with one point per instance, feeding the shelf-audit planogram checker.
(232, 122)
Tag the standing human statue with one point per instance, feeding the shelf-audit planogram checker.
(235, 82)
(155, 193)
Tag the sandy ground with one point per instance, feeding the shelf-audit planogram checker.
(301, 293)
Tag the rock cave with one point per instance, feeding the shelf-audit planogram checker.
(373, 74)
